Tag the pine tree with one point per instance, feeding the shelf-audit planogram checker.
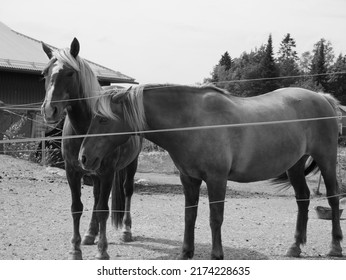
(287, 60)
(286, 50)
(221, 70)
(269, 69)
(226, 61)
(318, 65)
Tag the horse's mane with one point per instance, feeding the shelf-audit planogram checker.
(88, 80)
(132, 101)
(132, 104)
(208, 86)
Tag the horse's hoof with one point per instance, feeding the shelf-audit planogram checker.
(103, 256)
(335, 251)
(88, 240)
(126, 237)
(186, 255)
(182, 257)
(214, 257)
(75, 255)
(294, 252)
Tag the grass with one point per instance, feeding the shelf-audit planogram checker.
(156, 161)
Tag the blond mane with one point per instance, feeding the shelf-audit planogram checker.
(132, 104)
(87, 78)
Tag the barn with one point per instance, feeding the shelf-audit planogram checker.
(21, 85)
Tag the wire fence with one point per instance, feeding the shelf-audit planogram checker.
(57, 138)
(28, 106)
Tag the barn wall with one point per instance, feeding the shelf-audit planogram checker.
(21, 88)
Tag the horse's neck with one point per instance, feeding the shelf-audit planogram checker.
(79, 116)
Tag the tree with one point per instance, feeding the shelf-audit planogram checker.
(247, 67)
(287, 60)
(221, 70)
(269, 69)
(286, 51)
(319, 66)
(337, 81)
(305, 62)
(328, 51)
(226, 61)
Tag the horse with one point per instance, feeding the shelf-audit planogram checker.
(214, 137)
(71, 85)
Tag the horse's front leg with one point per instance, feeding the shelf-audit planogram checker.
(216, 193)
(128, 189)
(93, 230)
(102, 212)
(191, 192)
(74, 180)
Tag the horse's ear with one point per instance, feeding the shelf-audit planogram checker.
(119, 97)
(47, 50)
(74, 49)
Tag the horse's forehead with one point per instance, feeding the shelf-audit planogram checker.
(57, 67)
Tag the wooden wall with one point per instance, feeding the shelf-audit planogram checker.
(21, 88)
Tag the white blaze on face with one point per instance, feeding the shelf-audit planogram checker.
(48, 108)
(56, 68)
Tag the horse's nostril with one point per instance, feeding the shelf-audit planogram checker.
(84, 159)
(55, 111)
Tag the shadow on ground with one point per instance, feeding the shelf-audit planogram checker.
(170, 249)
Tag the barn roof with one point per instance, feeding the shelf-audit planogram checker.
(19, 52)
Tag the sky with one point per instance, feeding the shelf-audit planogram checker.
(175, 41)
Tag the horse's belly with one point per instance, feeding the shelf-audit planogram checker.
(248, 176)
(265, 164)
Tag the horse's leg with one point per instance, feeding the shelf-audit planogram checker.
(216, 193)
(128, 189)
(302, 192)
(90, 235)
(102, 211)
(328, 171)
(191, 192)
(74, 180)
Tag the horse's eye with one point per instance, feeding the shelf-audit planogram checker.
(69, 74)
(103, 120)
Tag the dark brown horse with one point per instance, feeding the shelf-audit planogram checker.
(72, 85)
(215, 137)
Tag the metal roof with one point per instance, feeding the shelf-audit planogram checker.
(19, 52)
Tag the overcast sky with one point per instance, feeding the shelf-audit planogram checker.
(175, 41)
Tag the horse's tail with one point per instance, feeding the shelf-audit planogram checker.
(118, 198)
(335, 103)
(283, 180)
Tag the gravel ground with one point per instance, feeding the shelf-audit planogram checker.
(259, 222)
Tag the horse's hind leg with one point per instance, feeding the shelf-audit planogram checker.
(191, 192)
(90, 236)
(328, 171)
(297, 179)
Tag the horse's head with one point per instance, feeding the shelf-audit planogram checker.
(112, 126)
(61, 80)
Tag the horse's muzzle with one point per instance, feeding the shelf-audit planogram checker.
(50, 113)
(88, 163)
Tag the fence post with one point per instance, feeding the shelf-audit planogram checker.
(43, 159)
(2, 148)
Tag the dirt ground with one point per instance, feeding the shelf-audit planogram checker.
(259, 221)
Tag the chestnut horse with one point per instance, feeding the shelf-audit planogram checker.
(71, 84)
(214, 136)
